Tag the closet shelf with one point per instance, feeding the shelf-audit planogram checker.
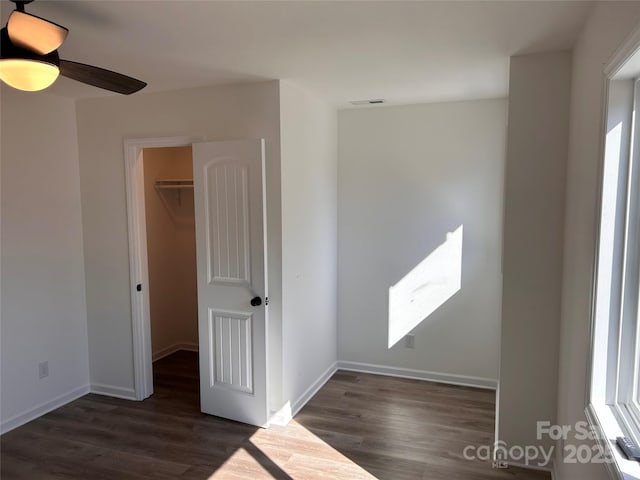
(171, 183)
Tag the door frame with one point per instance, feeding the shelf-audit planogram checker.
(138, 260)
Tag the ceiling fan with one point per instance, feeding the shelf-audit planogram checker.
(29, 57)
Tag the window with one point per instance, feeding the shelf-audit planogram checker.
(614, 393)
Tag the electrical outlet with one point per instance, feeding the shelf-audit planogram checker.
(410, 341)
(43, 369)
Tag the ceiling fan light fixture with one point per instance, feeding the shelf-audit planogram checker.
(29, 57)
(26, 70)
(28, 75)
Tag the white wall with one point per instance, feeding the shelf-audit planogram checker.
(171, 251)
(43, 292)
(604, 32)
(215, 113)
(407, 176)
(308, 128)
(539, 87)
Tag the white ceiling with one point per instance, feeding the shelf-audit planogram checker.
(405, 52)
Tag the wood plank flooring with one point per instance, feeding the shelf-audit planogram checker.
(358, 427)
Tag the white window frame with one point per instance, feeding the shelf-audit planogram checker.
(613, 393)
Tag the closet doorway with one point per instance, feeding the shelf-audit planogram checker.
(171, 258)
(231, 271)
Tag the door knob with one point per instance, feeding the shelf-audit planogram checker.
(256, 301)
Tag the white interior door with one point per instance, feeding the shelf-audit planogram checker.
(228, 180)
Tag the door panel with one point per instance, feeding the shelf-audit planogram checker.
(228, 220)
(233, 346)
(230, 244)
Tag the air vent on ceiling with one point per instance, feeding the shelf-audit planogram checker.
(376, 101)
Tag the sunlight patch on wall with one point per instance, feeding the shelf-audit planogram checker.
(425, 288)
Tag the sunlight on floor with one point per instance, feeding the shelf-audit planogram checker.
(425, 288)
(270, 456)
(241, 460)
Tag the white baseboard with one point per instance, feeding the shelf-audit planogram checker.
(478, 382)
(113, 391)
(313, 389)
(290, 410)
(165, 352)
(43, 408)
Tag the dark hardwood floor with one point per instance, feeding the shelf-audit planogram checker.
(358, 426)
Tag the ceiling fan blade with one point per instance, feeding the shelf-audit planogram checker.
(34, 33)
(101, 78)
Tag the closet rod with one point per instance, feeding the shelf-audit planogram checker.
(174, 183)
